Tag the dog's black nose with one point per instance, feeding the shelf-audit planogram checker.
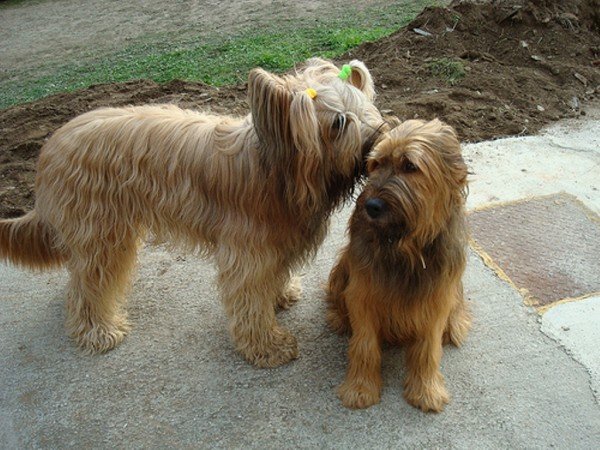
(375, 207)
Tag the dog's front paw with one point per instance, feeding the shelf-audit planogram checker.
(278, 348)
(431, 396)
(100, 337)
(358, 394)
(291, 294)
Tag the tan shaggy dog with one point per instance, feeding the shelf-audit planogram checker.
(255, 193)
(399, 278)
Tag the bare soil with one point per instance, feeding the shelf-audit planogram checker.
(527, 63)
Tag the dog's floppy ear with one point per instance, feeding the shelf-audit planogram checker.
(361, 78)
(448, 143)
(270, 101)
(309, 160)
(287, 122)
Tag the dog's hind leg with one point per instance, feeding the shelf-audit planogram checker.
(250, 287)
(100, 275)
(337, 312)
(459, 321)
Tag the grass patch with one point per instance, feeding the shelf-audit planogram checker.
(451, 70)
(8, 3)
(217, 60)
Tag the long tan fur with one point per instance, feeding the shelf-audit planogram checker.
(255, 193)
(399, 278)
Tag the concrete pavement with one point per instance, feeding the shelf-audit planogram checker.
(522, 380)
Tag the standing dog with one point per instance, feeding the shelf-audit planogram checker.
(399, 278)
(255, 193)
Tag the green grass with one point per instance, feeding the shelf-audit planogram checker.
(216, 60)
(452, 71)
(7, 3)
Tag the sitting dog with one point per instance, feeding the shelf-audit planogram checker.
(255, 193)
(399, 278)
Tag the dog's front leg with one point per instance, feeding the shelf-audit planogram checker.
(424, 386)
(362, 386)
(251, 288)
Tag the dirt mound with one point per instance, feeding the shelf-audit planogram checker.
(516, 66)
(489, 70)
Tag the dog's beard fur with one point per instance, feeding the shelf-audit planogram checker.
(254, 192)
(399, 276)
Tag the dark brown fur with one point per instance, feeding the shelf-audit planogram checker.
(399, 278)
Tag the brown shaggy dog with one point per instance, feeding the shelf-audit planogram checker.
(255, 193)
(399, 278)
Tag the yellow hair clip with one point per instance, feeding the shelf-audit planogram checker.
(311, 93)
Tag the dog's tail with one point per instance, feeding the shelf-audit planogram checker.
(30, 243)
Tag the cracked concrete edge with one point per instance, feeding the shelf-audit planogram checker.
(558, 321)
(594, 382)
(544, 309)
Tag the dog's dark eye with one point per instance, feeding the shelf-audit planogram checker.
(339, 123)
(408, 166)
